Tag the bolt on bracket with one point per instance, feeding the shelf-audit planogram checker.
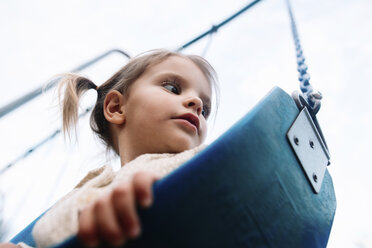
(309, 148)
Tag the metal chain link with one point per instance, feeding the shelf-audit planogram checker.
(312, 97)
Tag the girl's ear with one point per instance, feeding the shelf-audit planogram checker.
(113, 107)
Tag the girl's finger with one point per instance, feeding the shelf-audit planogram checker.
(142, 184)
(87, 231)
(106, 222)
(125, 209)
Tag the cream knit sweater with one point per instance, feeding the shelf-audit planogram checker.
(61, 221)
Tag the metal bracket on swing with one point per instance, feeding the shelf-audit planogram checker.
(310, 148)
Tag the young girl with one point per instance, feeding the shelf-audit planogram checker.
(153, 113)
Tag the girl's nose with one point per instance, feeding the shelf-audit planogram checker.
(195, 103)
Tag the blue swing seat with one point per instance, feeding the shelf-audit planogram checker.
(246, 189)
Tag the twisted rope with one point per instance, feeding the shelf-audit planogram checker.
(312, 97)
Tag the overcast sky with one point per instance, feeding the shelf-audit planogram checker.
(254, 53)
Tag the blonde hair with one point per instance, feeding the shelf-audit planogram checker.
(75, 85)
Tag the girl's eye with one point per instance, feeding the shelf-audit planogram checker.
(205, 111)
(172, 87)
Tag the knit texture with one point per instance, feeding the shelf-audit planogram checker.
(61, 221)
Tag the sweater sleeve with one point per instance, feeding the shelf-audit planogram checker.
(61, 221)
(23, 245)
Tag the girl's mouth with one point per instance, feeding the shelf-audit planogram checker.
(191, 119)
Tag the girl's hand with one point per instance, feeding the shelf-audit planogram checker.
(113, 218)
(9, 245)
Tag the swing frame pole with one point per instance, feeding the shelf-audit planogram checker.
(215, 28)
(35, 93)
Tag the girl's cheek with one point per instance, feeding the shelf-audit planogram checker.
(204, 130)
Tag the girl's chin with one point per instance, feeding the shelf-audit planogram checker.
(182, 146)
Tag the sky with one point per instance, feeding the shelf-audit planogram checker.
(251, 55)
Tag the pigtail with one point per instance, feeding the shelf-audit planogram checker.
(73, 86)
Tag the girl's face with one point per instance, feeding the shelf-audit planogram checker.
(166, 108)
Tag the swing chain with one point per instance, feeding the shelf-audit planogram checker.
(312, 97)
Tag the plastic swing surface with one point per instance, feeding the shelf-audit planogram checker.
(246, 189)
